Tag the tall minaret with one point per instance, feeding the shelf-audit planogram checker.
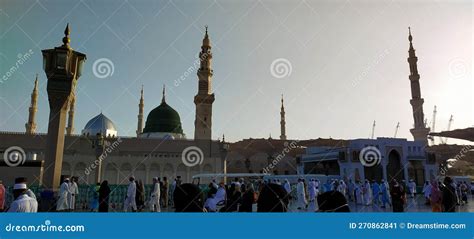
(70, 120)
(140, 114)
(31, 125)
(420, 131)
(204, 97)
(282, 121)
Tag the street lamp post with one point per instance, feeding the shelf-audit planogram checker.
(224, 151)
(99, 144)
(63, 67)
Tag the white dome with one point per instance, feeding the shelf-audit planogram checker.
(100, 125)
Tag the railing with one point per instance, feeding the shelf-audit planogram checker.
(87, 195)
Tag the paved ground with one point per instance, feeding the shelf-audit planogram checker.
(416, 204)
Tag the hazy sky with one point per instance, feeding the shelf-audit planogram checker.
(348, 62)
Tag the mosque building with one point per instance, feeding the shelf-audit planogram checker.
(160, 148)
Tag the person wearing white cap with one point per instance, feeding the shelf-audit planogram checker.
(63, 203)
(23, 202)
(73, 192)
(24, 180)
(155, 196)
(130, 202)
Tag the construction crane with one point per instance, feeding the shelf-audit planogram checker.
(433, 124)
(396, 129)
(373, 130)
(444, 140)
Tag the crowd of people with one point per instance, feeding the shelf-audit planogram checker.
(135, 200)
(241, 195)
(258, 196)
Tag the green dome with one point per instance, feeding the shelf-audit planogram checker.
(163, 119)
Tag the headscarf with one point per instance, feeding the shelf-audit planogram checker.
(188, 198)
(333, 201)
(272, 198)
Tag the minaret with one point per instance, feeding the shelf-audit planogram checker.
(140, 114)
(282, 121)
(420, 131)
(70, 120)
(163, 98)
(204, 97)
(31, 125)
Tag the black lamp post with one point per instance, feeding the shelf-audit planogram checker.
(224, 151)
(99, 143)
(63, 67)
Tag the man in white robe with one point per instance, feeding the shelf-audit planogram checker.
(73, 192)
(287, 186)
(427, 190)
(155, 197)
(358, 193)
(62, 204)
(412, 188)
(130, 203)
(221, 194)
(22, 202)
(301, 195)
(312, 196)
(385, 191)
(317, 184)
(342, 187)
(367, 193)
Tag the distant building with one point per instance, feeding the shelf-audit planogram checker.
(372, 159)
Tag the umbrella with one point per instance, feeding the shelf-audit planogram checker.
(465, 134)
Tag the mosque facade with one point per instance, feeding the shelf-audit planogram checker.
(161, 149)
